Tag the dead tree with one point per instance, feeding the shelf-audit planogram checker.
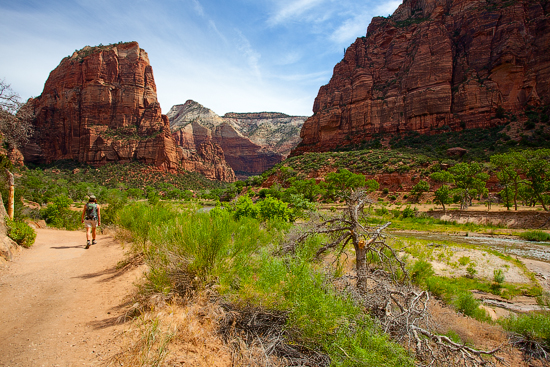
(384, 287)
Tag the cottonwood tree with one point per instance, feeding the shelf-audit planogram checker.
(470, 180)
(15, 117)
(420, 188)
(508, 166)
(535, 165)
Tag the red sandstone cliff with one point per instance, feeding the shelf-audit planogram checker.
(435, 65)
(100, 105)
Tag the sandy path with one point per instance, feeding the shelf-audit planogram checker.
(59, 302)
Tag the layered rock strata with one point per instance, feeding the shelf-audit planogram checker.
(100, 105)
(251, 142)
(434, 66)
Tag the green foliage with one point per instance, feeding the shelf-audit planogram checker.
(532, 326)
(421, 187)
(372, 185)
(272, 208)
(21, 233)
(535, 235)
(498, 276)
(471, 269)
(245, 208)
(456, 292)
(470, 180)
(443, 196)
(408, 212)
(421, 271)
(237, 256)
(58, 214)
(115, 200)
(341, 183)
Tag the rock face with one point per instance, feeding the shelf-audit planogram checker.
(251, 142)
(435, 65)
(100, 105)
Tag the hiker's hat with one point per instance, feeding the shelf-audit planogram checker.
(92, 197)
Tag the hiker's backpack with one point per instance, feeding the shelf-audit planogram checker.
(91, 211)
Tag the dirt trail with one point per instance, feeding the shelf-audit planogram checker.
(59, 302)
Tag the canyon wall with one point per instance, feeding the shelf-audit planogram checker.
(435, 66)
(251, 142)
(100, 105)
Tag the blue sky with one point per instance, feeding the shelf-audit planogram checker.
(230, 56)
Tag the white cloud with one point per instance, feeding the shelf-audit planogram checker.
(356, 26)
(198, 7)
(252, 57)
(292, 9)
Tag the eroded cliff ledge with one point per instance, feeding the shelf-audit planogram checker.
(433, 66)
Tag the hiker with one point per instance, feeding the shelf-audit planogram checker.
(91, 217)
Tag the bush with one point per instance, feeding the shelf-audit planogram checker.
(21, 233)
(533, 327)
(469, 306)
(272, 208)
(535, 236)
(421, 271)
(498, 276)
(245, 208)
(58, 214)
(408, 212)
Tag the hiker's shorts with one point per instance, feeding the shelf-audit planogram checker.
(89, 223)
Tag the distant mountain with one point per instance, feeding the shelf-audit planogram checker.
(251, 142)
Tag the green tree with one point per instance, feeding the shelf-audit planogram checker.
(372, 185)
(508, 166)
(420, 188)
(308, 188)
(470, 181)
(272, 208)
(340, 184)
(244, 207)
(535, 166)
(443, 196)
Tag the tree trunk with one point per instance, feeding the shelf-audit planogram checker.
(361, 265)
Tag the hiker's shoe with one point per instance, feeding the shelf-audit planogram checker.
(94, 242)
(87, 245)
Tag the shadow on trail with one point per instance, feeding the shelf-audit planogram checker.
(111, 274)
(67, 247)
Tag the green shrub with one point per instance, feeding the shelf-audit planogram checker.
(469, 306)
(272, 208)
(381, 211)
(498, 276)
(471, 269)
(535, 236)
(21, 233)
(58, 214)
(421, 271)
(533, 327)
(244, 207)
(408, 212)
